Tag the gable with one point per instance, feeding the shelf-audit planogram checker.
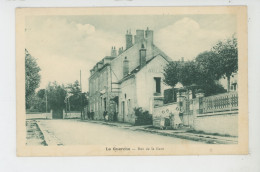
(155, 65)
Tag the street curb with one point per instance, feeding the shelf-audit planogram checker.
(50, 140)
(193, 138)
(199, 138)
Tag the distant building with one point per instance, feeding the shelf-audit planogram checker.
(233, 82)
(128, 78)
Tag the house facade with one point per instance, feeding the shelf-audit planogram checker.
(129, 78)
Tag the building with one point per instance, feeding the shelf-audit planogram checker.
(130, 77)
(233, 82)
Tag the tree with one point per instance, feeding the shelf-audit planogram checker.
(188, 73)
(179, 71)
(227, 55)
(206, 69)
(170, 73)
(208, 63)
(39, 101)
(192, 73)
(75, 98)
(32, 77)
(56, 95)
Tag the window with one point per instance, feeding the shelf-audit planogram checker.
(157, 84)
(234, 87)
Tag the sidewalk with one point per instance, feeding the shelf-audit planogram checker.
(180, 133)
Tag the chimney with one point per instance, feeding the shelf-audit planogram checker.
(120, 50)
(113, 52)
(149, 35)
(125, 66)
(139, 36)
(128, 39)
(142, 52)
(100, 64)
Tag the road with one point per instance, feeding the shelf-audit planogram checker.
(76, 132)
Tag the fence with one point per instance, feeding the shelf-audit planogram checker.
(220, 103)
(218, 114)
(213, 114)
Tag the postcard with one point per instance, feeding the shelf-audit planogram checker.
(132, 81)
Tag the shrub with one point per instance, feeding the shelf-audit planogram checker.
(142, 117)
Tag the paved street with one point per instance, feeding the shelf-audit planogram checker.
(75, 132)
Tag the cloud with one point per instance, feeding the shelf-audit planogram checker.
(63, 48)
(186, 38)
(86, 28)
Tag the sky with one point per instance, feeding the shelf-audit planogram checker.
(64, 45)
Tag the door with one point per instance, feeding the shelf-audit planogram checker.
(123, 110)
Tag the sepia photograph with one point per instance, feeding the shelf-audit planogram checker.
(131, 81)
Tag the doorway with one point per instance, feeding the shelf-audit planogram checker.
(123, 110)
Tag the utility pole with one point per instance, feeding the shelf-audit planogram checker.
(81, 104)
(46, 100)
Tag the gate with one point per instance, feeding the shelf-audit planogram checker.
(186, 104)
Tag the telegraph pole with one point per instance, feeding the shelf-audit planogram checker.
(80, 81)
(81, 105)
(46, 101)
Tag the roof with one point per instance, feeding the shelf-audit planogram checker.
(108, 57)
(138, 68)
(158, 51)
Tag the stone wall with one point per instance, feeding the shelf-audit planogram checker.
(163, 112)
(196, 115)
(71, 115)
(226, 123)
(39, 116)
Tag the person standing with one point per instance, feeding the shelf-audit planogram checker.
(171, 116)
(104, 115)
(177, 120)
(92, 115)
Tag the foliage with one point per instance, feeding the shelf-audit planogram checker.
(179, 71)
(56, 95)
(55, 98)
(208, 64)
(38, 102)
(206, 69)
(41, 93)
(142, 117)
(171, 73)
(227, 55)
(76, 100)
(188, 73)
(32, 77)
(74, 88)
